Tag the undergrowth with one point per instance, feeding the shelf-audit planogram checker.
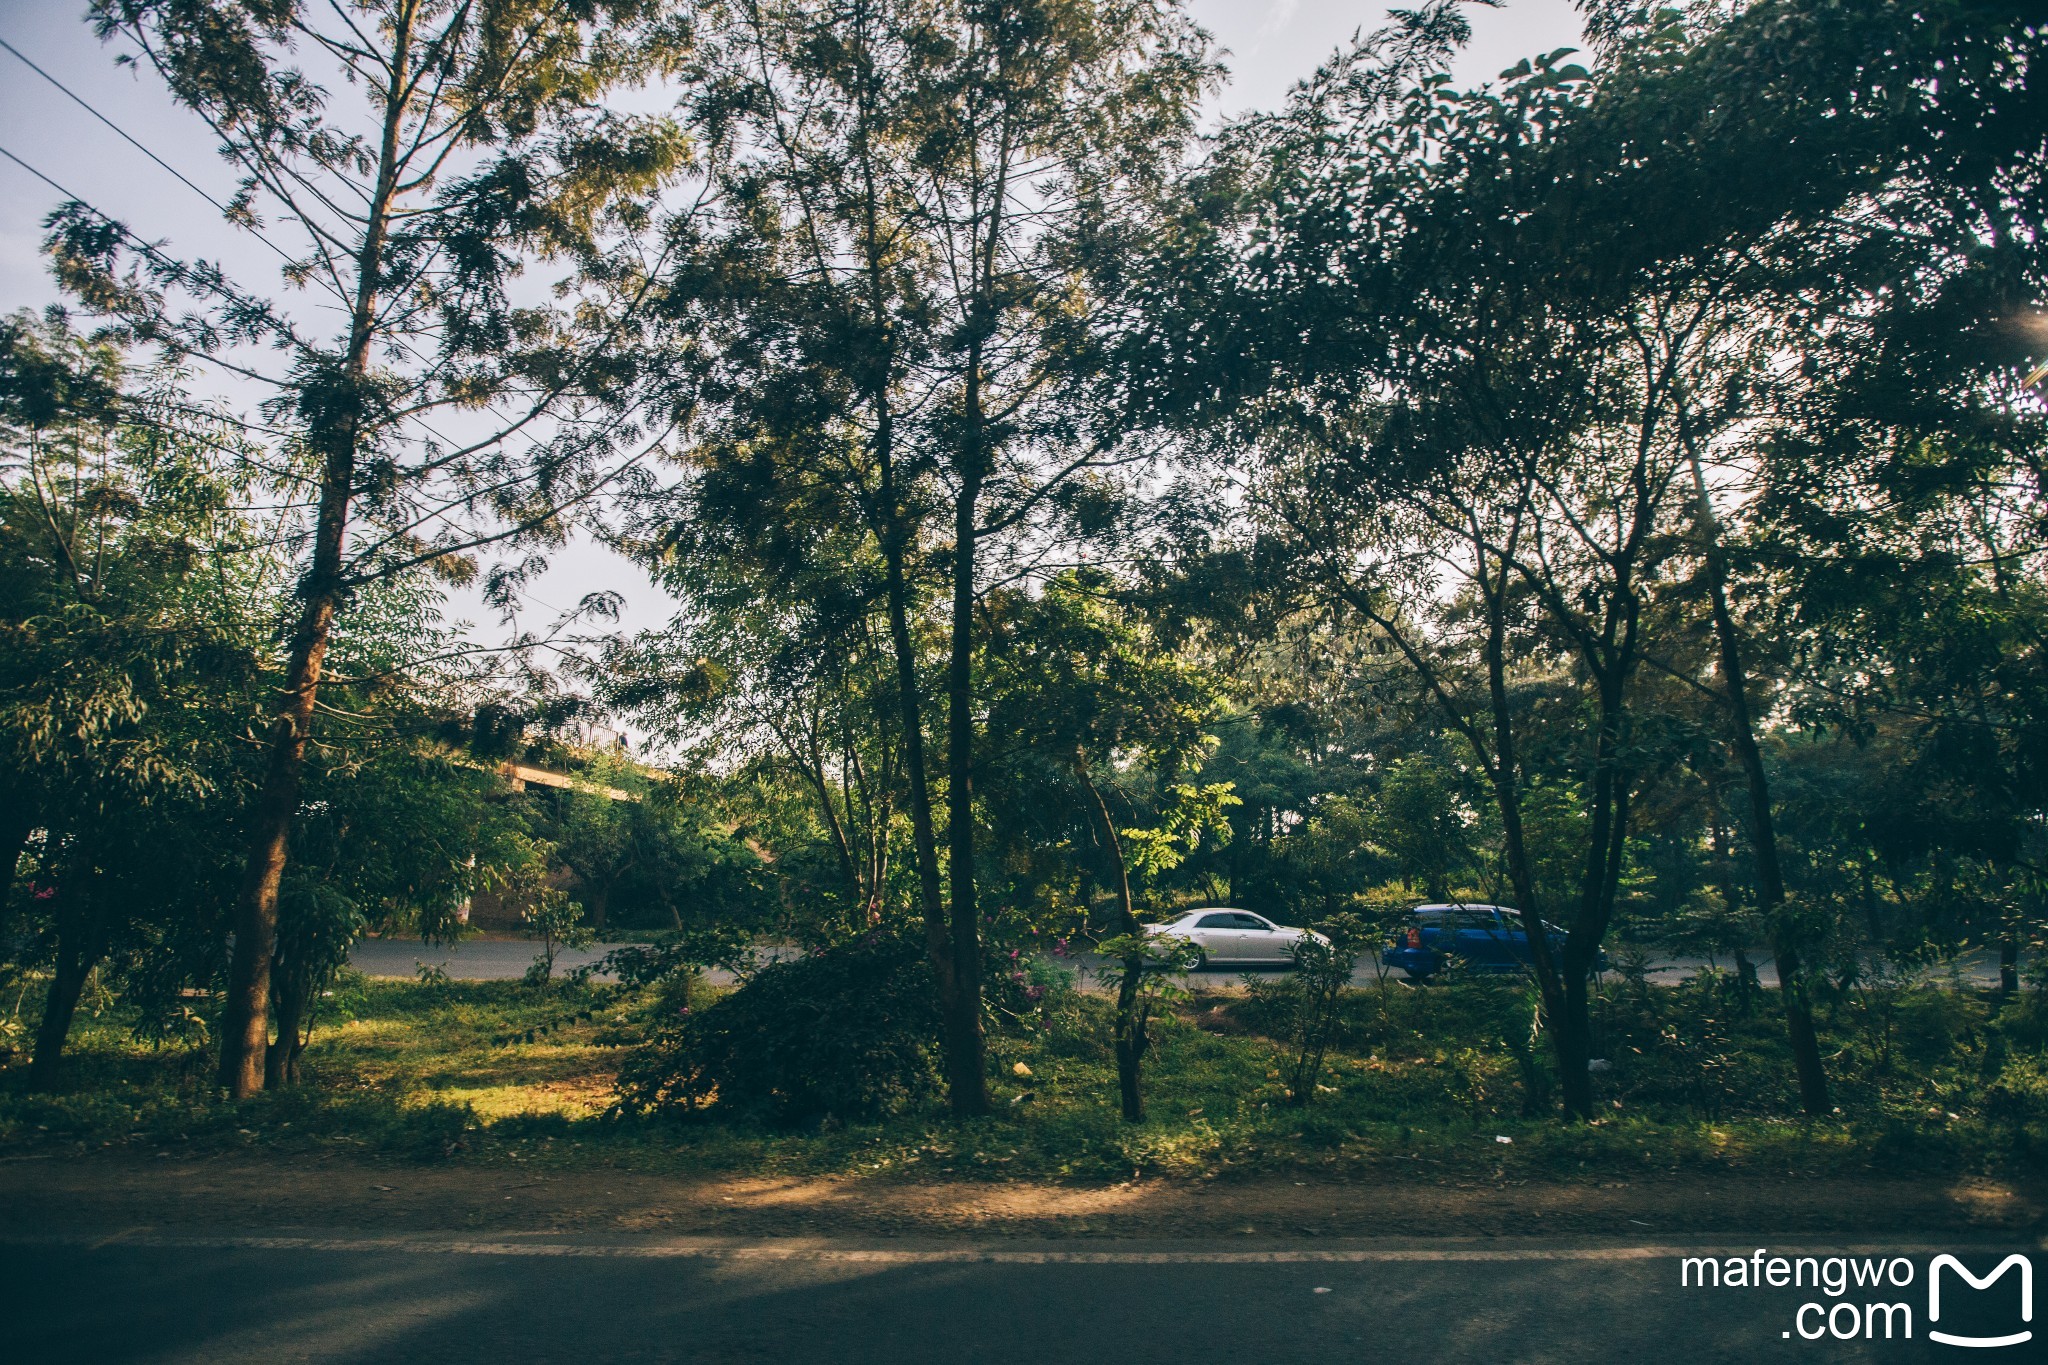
(1445, 1083)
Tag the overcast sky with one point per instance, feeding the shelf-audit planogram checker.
(1270, 46)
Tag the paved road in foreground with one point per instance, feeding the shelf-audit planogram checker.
(505, 1299)
(508, 959)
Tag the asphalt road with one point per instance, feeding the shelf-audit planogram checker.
(547, 1298)
(507, 959)
(481, 959)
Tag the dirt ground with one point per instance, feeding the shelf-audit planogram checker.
(46, 1194)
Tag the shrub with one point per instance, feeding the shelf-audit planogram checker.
(2024, 1022)
(847, 1033)
(2019, 1099)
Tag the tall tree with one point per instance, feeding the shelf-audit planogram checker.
(473, 142)
(877, 305)
(1088, 703)
(137, 594)
(1506, 320)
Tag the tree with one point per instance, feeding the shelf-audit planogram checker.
(1085, 699)
(877, 301)
(129, 650)
(791, 674)
(1839, 289)
(479, 144)
(1422, 821)
(1475, 352)
(397, 828)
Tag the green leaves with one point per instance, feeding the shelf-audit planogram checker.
(1188, 814)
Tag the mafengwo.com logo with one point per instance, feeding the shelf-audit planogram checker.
(1886, 1298)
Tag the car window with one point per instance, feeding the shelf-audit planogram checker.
(1216, 922)
(1472, 919)
(1251, 922)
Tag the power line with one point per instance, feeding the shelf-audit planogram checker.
(79, 100)
(144, 248)
(83, 104)
(46, 180)
(414, 417)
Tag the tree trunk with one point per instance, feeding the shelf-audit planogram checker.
(59, 1007)
(923, 837)
(841, 845)
(281, 1058)
(1745, 981)
(1724, 882)
(1131, 1040)
(245, 1026)
(1805, 1040)
(336, 412)
(79, 949)
(967, 1080)
(1604, 853)
(1504, 772)
(1236, 864)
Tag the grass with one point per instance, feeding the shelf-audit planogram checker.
(1421, 1084)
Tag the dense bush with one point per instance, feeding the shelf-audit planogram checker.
(844, 1034)
(2019, 1099)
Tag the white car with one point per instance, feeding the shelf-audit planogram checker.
(1224, 936)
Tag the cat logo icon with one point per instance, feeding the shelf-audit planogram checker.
(2026, 1268)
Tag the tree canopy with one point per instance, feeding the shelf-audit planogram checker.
(1616, 490)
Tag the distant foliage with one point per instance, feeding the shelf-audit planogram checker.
(845, 1034)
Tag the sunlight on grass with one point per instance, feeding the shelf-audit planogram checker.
(1418, 1087)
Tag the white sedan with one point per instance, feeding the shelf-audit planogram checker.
(1223, 936)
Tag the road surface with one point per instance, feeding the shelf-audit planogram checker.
(479, 959)
(508, 959)
(183, 1300)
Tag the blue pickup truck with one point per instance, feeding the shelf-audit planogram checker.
(1484, 938)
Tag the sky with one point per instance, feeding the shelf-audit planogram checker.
(1269, 46)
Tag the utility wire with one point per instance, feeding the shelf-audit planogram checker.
(80, 102)
(46, 180)
(80, 199)
(167, 166)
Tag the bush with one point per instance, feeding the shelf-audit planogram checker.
(844, 1034)
(2024, 1022)
(2019, 1099)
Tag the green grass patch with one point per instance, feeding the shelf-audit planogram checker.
(1422, 1084)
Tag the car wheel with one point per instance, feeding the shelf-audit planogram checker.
(1201, 961)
